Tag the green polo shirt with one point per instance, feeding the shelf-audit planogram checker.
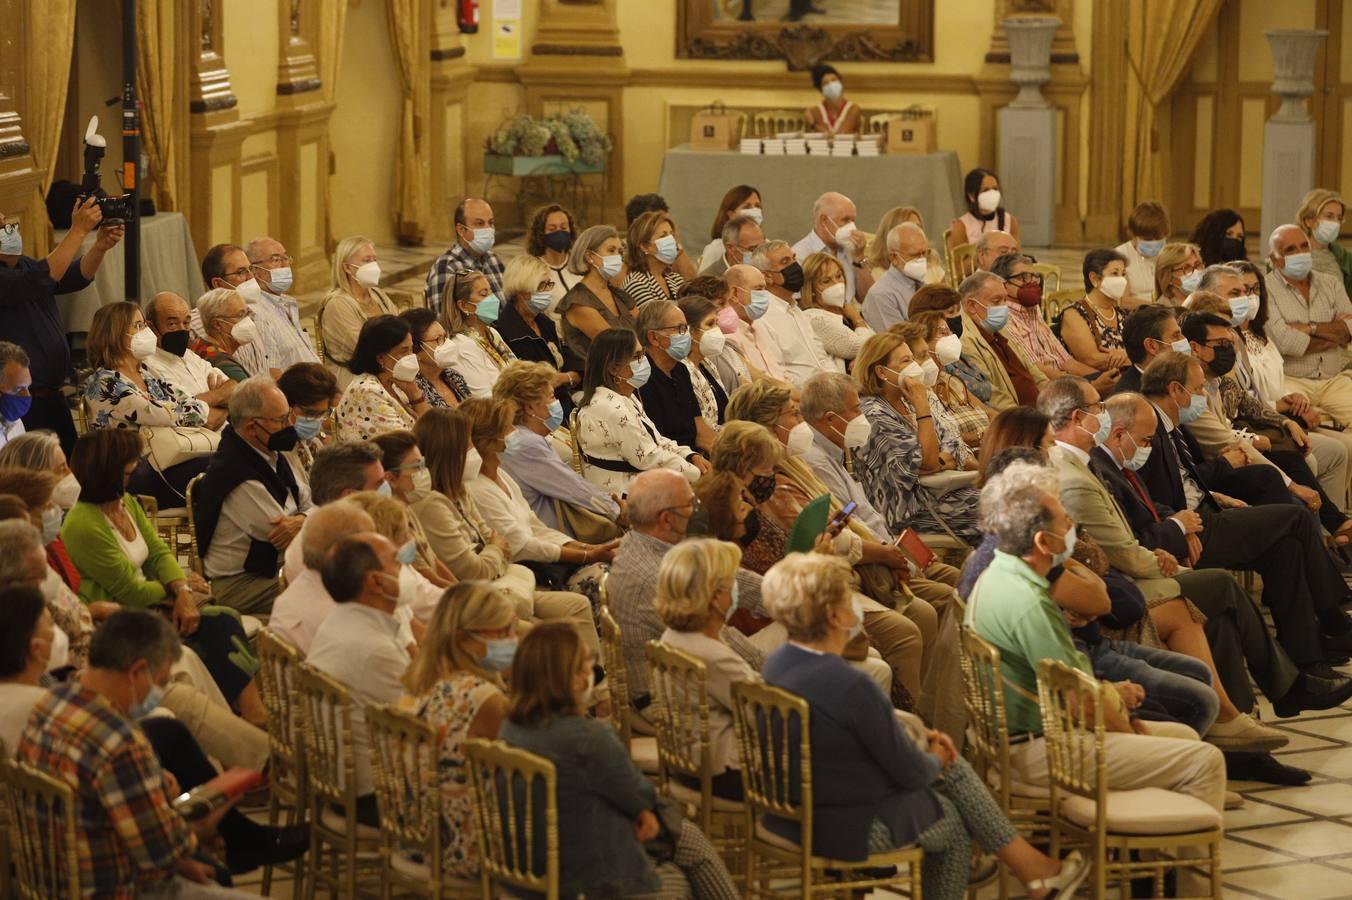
(1010, 606)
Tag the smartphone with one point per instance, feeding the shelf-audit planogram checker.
(911, 544)
(843, 516)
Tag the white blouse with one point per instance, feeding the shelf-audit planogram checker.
(1269, 374)
(476, 364)
(506, 509)
(615, 427)
(838, 339)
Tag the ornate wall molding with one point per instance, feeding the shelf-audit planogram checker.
(209, 88)
(297, 67)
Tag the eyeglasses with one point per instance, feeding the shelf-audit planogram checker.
(1024, 278)
(241, 272)
(679, 329)
(276, 259)
(694, 505)
(414, 466)
(546, 285)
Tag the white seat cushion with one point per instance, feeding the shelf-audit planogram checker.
(693, 797)
(335, 821)
(643, 751)
(251, 625)
(1145, 811)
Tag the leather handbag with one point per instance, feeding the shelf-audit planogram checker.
(584, 525)
(169, 445)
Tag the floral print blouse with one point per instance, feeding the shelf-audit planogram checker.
(367, 409)
(450, 708)
(888, 466)
(114, 401)
(616, 430)
(449, 377)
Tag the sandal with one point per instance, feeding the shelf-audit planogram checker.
(1074, 870)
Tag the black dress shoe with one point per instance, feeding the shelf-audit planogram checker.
(270, 846)
(1262, 767)
(1313, 692)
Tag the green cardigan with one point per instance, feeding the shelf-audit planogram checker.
(1344, 262)
(105, 571)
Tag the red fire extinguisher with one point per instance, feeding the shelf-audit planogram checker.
(469, 16)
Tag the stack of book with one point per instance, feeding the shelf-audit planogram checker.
(774, 147)
(751, 145)
(843, 145)
(795, 146)
(868, 145)
(818, 146)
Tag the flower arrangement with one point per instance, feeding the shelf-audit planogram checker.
(572, 135)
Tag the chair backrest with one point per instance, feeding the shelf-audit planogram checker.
(772, 728)
(678, 683)
(1056, 302)
(612, 658)
(579, 464)
(984, 697)
(770, 122)
(1072, 726)
(192, 522)
(961, 262)
(331, 770)
(277, 664)
(310, 325)
(510, 788)
(404, 763)
(1051, 275)
(41, 831)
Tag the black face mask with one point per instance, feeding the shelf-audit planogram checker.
(793, 277)
(559, 241)
(283, 439)
(1232, 249)
(175, 342)
(762, 488)
(752, 526)
(1223, 361)
(955, 325)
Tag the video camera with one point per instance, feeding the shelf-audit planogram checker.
(116, 210)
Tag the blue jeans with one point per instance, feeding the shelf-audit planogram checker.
(1179, 683)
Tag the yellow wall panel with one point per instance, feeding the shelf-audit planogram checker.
(308, 195)
(1206, 64)
(253, 205)
(222, 205)
(1258, 16)
(1253, 114)
(1201, 164)
(249, 29)
(1345, 168)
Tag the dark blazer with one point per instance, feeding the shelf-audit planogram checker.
(1153, 534)
(1130, 381)
(1160, 474)
(865, 765)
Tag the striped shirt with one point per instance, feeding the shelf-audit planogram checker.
(1035, 338)
(642, 286)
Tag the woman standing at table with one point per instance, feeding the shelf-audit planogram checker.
(835, 114)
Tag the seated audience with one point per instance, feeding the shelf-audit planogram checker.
(1148, 231)
(176, 364)
(595, 303)
(732, 515)
(942, 299)
(877, 245)
(394, 522)
(440, 383)
(740, 200)
(992, 245)
(457, 684)
(930, 339)
(28, 652)
(227, 327)
(668, 395)
(881, 782)
(836, 321)
(546, 482)
(1178, 272)
(1013, 377)
(468, 314)
(523, 324)
(549, 239)
(908, 254)
(123, 394)
(250, 505)
(834, 232)
(652, 247)
(406, 474)
(780, 265)
(303, 606)
(472, 251)
(384, 394)
(606, 801)
(1092, 328)
(278, 314)
(40, 451)
(834, 114)
(748, 300)
(1145, 334)
(16, 398)
(981, 191)
(313, 394)
(358, 643)
(1321, 218)
(614, 434)
(711, 359)
(741, 238)
(1219, 237)
(226, 269)
(354, 297)
(339, 470)
(84, 734)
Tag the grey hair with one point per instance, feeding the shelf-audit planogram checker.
(1004, 266)
(825, 392)
(338, 468)
(18, 540)
(251, 248)
(129, 635)
(651, 494)
(733, 228)
(983, 243)
(1272, 238)
(1219, 270)
(35, 450)
(650, 316)
(894, 236)
(819, 205)
(761, 258)
(328, 525)
(1060, 398)
(1123, 408)
(212, 304)
(587, 242)
(11, 352)
(248, 398)
(1013, 506)
(972, 284)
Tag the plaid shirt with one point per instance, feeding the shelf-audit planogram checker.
(129, 838)
(458, 259)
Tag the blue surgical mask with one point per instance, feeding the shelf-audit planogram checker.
(1239, 309)
(758, 305)
(1105, 427)
(1181, 346)
(555, 417)
(280, 280)
(488, 309)
(1138, 457)
(483, 240)
(666, 249)
(499, 655)
(513, 444)
(11, 242)
(307, 429)
(1191, 281)
(996, 318)
(1297, 266)
(51, 524)
(384, 489)
(1070, 538)
(14, 407)
(641, 372)
(1150, 249)
(407, 553)
(1193, 411)
(679, 348)
(147, 704)
(539, 301)
(610, 266)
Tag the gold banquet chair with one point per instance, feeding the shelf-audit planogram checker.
(1115, 825)
(277, 664)
(509, 786)
(772, 728)
(1051, 276)
(643, 748)
(770, 122)
(40, 813)
(961, 263)
(408, 794)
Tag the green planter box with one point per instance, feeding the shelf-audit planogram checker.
(495, 164)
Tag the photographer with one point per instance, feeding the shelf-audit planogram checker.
(28, 289)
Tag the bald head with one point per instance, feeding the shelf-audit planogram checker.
(329, 524)
(166, 312)
(991, 246)
(653, 498)
(747, 277)
(1133, 425)
(1287, 240)
(831, 212)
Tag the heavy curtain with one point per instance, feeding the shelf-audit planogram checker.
(51, 24)
(410, 29)
(1160, 45)
(164, 109)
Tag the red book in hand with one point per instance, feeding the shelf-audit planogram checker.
(210, 796)
(911, 544)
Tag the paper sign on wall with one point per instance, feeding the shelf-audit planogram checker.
(506, 29)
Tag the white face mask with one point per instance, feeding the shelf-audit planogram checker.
(405, 368)
(948, 348)
(834, 296)
(929, 372)
(912, 370)
(754, 213)
(60, 657)
(368, 275)
(916, 269)
(988, 201)
(473, 463)
(245, 330)
(857, 432)
(843, 233)
(800, 439)
(66, 492)
(143, 343)
(1114, 286)
(1326, 232)
(250, 290)
(447, 355)
(422, 481)
(711, 343)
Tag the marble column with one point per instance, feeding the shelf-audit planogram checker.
(1289, 140)
(1027, 132)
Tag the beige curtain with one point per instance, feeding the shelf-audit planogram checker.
(160, 23)
(410, 28)
(50, 40)
(1160, 45)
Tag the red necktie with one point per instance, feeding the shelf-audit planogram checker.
(1131, 477)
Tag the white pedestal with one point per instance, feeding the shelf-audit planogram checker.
(1027, 170)
(1288, 173)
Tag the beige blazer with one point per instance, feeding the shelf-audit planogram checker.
(981, 354)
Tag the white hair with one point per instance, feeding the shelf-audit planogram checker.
(1013, 506)
(211, 306)
(249, 398)
(894, 236)
(825, 392)
(761, 258)
(1272, 238)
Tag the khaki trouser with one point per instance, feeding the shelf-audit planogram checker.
(1333, 395)
(567, 606)
(246, 593)
(1331, 451)
(899, 639)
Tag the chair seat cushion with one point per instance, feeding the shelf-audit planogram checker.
(767, 836)
(336, 822)
(643, 751)
(693, 797)
(1145, 811)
